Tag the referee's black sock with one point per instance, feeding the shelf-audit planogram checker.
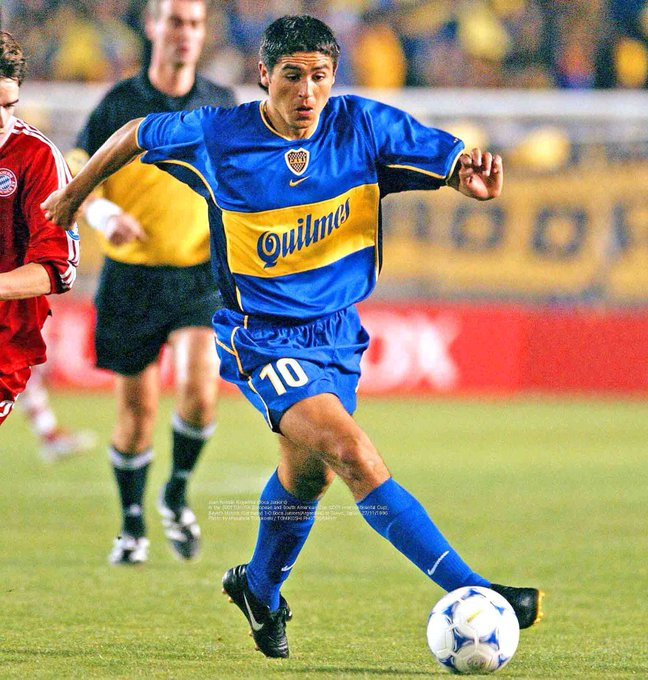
(188, 442)
(130, 473)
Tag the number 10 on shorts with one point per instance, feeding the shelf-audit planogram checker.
(288, 373)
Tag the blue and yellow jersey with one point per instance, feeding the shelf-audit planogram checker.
(295, 224)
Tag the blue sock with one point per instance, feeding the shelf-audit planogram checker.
(285, 522)
(397, 516)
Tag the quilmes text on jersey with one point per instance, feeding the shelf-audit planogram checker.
(310, 229)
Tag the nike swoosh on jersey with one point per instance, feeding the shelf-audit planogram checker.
(288, 567)
(253, 622)
(295, 182)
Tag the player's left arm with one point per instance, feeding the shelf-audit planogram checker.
(23, 282)
(478, 175)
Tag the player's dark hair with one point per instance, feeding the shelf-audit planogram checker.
(12, 59)
(290, 34)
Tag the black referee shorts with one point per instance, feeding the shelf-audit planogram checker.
(139, 306)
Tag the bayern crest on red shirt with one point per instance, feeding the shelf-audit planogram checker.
(8, 182)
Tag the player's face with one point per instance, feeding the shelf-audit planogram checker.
(9, 90)
(177, 34)
(299, 86)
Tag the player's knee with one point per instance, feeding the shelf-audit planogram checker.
(135, 423)
(197, 414)
(139, 412)
(354, 457)
(313, 485)
(132, 435)
(197, 407)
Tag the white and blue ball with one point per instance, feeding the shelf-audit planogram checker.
(473, 630)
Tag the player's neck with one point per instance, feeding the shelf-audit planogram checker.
(170, 80)
(282, 128)
(4, 131)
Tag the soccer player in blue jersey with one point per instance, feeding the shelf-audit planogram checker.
(293, 185)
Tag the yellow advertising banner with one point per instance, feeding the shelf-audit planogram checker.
(579, 234)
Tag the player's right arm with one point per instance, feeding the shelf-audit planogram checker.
(116, 152)
(478, 175)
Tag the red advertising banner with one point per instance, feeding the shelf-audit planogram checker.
(442, 349)
(587, 352)
(427, 349)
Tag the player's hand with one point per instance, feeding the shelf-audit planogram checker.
(480, 175)
(124, 228)
(60, 209)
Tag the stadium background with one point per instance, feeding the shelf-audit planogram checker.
(544, 289)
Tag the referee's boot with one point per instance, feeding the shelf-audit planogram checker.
(181, 529)
(268, 628)
(129, 550)
(526, 603)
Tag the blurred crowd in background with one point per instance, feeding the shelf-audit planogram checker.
(385, 43)
(551, 237)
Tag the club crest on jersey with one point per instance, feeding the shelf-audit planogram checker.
(297, 160)
(8, 182)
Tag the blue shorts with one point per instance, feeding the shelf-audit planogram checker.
(276, 365)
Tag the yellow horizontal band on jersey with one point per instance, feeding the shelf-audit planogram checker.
(301, 238)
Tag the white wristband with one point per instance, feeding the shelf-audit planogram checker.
(99, 212)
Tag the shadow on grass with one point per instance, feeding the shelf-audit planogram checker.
(22, 655)
(339, 670)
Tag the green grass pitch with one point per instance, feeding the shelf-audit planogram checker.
(551, 493)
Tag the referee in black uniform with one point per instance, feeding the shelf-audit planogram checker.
(156, 286)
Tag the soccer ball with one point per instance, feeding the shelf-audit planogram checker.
(473, 630)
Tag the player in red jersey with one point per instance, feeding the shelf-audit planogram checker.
(36, 257)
